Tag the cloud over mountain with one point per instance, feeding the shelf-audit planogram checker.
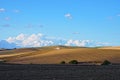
(77, 42)
(39, 40)
(34, 40)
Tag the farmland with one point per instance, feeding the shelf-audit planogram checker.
(56, 54)
(44, 63)
(58, 72)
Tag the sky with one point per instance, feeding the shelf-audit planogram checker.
(60, 22)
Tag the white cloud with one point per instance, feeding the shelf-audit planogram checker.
(11, 40)
(39, 40)
(2, 10)
(101, 44)
(77, 42)
(85, 43)
(21, 37)
(68, 15)
(34, 40)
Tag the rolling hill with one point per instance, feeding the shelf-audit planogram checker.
(111, 47)
(56, 54)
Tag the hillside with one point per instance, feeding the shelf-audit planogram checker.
(56, 54)
(111, 47)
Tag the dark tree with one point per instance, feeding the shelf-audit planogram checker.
(106, 62)
(73, 62)
(62, 62)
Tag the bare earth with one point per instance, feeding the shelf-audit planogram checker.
(58, 72)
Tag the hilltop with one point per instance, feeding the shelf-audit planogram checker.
(56, 54)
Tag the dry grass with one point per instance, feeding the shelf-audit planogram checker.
(50, 55)
(112, 47)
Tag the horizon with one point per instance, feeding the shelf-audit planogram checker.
(49, 22)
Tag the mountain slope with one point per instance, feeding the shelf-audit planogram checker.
(50, 55)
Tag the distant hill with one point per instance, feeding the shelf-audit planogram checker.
(4, 44)
(56, 54)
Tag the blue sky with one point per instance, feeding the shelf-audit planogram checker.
(97, 20)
